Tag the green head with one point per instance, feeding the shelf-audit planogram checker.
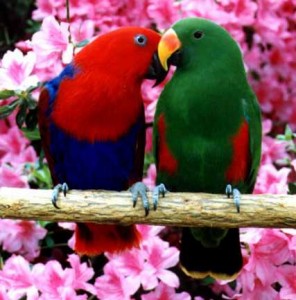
(199, 43)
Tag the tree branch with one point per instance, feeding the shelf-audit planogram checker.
(178, 209)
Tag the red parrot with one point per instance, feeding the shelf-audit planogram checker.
(92, 125)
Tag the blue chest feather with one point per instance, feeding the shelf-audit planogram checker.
(99, 165)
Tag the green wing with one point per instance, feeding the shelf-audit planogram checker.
(253, 116)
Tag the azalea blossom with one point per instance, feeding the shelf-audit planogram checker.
(270, 180)
(21, 237)
(18, 279)
(165, 292)
(150, 179)
(113, 285)
(140, 266)
(16, 70)
(266, 33)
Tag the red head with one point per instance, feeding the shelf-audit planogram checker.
(103, 100)
(126, 52)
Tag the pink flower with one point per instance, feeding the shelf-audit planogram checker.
(66, 294)
(164, 292)
(150, 96)
(17, 277)
(293, 164)
(268, 250)
(207, 9)
(149, 139)
(21, 237)
(10, 178)
(15, 149)
(46, 8)
(52, 47)
(15, 152)
(149, 180)
(272, 149)
(54, 279)
(113, 285)
(81, 274)
(287, 281)
(16, 70)
(148, 231)
(69, 226)
(160, 257)
(260, 292)
(82, 30)
(163, 13)
(270, 180)
(148, 264)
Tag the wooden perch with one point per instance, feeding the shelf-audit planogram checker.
(178, 209)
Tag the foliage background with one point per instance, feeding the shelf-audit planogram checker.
(37, 40)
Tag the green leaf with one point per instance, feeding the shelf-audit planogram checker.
(21, 115)
(292, 188)
(32, 104)
(31, 119)
(40, 175)
(4, 94)
(44, 223)
(208, 280)
(288, 133)
(49, 242)
(82, 43)
(32, 135)
(149, 159)
(6, 110)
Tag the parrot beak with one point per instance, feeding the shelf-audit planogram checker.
(169, 44)
(156, 71)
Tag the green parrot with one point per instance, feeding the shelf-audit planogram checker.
(207, 135)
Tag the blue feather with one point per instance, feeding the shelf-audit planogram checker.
(99, 165)
(53, 85)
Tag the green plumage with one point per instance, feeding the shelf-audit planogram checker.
(204, 106)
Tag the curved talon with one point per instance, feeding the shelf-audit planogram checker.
(236, 198)
(55, 193)
(229, 191)
(158, 190)
(140, 189)
(65, 188)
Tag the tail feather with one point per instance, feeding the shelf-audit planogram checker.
(93, 239)
(222, 262)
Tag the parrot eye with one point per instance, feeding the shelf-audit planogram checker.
(140, 40)
(198, 34)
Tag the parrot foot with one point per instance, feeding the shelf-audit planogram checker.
(158, 190)
(236, 196)
(140, 189)
(55, 193)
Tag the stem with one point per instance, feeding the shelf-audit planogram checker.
(68, 19)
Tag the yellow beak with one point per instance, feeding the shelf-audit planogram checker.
(168, 44)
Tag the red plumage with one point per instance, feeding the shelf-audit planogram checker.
(239, 167)
(91, 119)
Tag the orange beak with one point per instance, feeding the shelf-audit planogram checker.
(168, 44)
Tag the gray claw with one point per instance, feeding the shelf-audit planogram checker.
(236, 198)
(236, 195)
(228, 190)
(65, 188)
(158, 190)
(139, 189)
(55, 193)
